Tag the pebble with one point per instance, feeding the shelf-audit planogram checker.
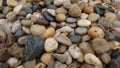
(83, 23)
(81, 58)
(74, 11)
(37, 30)
(41, 21)
(51, 7)
(4, 55)
(21, 66)
(84, 16)
(71, 20)
(7, 9)
(61, 11)
(30, 64)
(74, 51)
(80, 30)
(100, 45)
(85, 47)
(96, 32)
(93, 60)
(27, 23)
(114, 64)
(66, 29)
(19, 33)
(67, 5)
(69, 58)
(2, 16)
(61, 49)
(21, 40)
(85, 65)
(110, 16)
(52, 12)
(46, 58)
(26, 30)
(40, 65)
(105, 58)
(58, 2)
(60, 17)
(11, 16)
(16, 51)
(61, 57)
(28, 10)
(88, 9)
(35, 6)
(93, 17)
(116, 23)
(50, 45)
(98, 10)
(13, 62)
(73, 65)
(75, 38)
(60, 65)
(17, 9)
(63, 40)
(5, 65)
(82, 5)
(16, 26)
(48, 33)
(2, 36)
(12, 3)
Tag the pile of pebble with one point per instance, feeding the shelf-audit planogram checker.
(59, 33)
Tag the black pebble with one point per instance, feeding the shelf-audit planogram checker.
(27, 10)
(98, 10)
(109, 36)
(114, 64)
(51, 7)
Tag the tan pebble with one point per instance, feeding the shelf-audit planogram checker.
(21, 40)
(61, 11)
(37, 30)
(105, 58)
(107, 1)
(73, 65)
(21, 66)
(61, 49)
(114, 44)
(12, 3)
(40, 65)
(88, 9)
(58, 2)
(2, 36)
(116, 5)
(69, 58)
(48, 33)
(26, 30)
(111, 16)
(81, 58)
(60, 65)
(96, 32)
(46, 58)
(85, 65)
(60, 17)
(0, 2)
(83, 23)
(93, 17)
(42, 3)
(92, 59)
(82, 5)
(75, 10)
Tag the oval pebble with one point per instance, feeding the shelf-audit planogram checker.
(83, 23)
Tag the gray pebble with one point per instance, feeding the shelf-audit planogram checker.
(81, 30)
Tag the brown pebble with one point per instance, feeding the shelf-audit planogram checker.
(105, 58)
(61, 11)
(60, 17)
(85, 65)
(88, 9)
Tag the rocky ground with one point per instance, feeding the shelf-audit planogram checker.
(59, 33)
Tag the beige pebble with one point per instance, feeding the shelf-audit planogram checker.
(50, 45)
(52, 12)
(21, 66)
(40, 65)
(37, 30)
(96, 32)
(46, 58)
(81, 58)
(66, 29)
(105, 58)
(12, 3)
(83, 23)
(17, 9)
(26, 30)
(61, 11)
(84, 16)
(93, 17)
(60, 17)
(111, 16)
(69, 58)
(21, 40)
(48, 33)
(88, 9)
(58, 2)
(2, 36)
(16, 26)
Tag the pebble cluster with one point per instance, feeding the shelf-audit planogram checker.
(59, 33)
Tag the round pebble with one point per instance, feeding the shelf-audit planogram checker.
(84, 16)
(110, 16)
(71, 20)
(93, 17)
(88, 9)
(26, 23)
(52, 12)
(105, 58)
(17, 9)
(80, 30)
(61, 11)
(83, 23)
(58, 2)
(60, 17)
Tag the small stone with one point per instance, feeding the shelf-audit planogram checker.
(85, 65)
(21, 66)
(80, 30)
(41, 21)
(61, 11)
(75, 10)
(50, 45)
(116, 5)
(82, 5)
(48, 16)
(81, 58)
(58, 2)
(83, 23)
(73, 65)
(52, 12)
(67, 5)
(86, 48)
(13, 62)
(7, 9)
(19, 33)
(4, 55)
(2, 36)
(96, 32)
(107, 1)
(16, 26)
(46, 58)
(66, 29)
(92, 59)
(61, 49)
(36, 43)
(5, 65)
(117, 35)
(116, 23)
(71, 20)
(63, 40)
(60, 57)
(84, 16)
(75, 38)
(98, 10)
(16, 51)
(17, 9)
(48, 33)
(28, 10)
(12, 3)
(30, 64)
(109, 36)
(114, 64)
(40, 65)
(110, 16)
(37, 30)
(47, 2)
(11, 16)
(60, 17)
(69, 58)
(2, 16)
(105, 58)
(93, 17)
(100, 45)
(85, 38)
(88, 9)
(21, 40)
(105, 22)
(35, 6)
(50, 6)
(26, 22)
(74, 51)
(26, 30)
(60, 65)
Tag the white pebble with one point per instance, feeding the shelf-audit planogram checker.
(17, 9)
(66, 29)
(83, 23)
(51, 11)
